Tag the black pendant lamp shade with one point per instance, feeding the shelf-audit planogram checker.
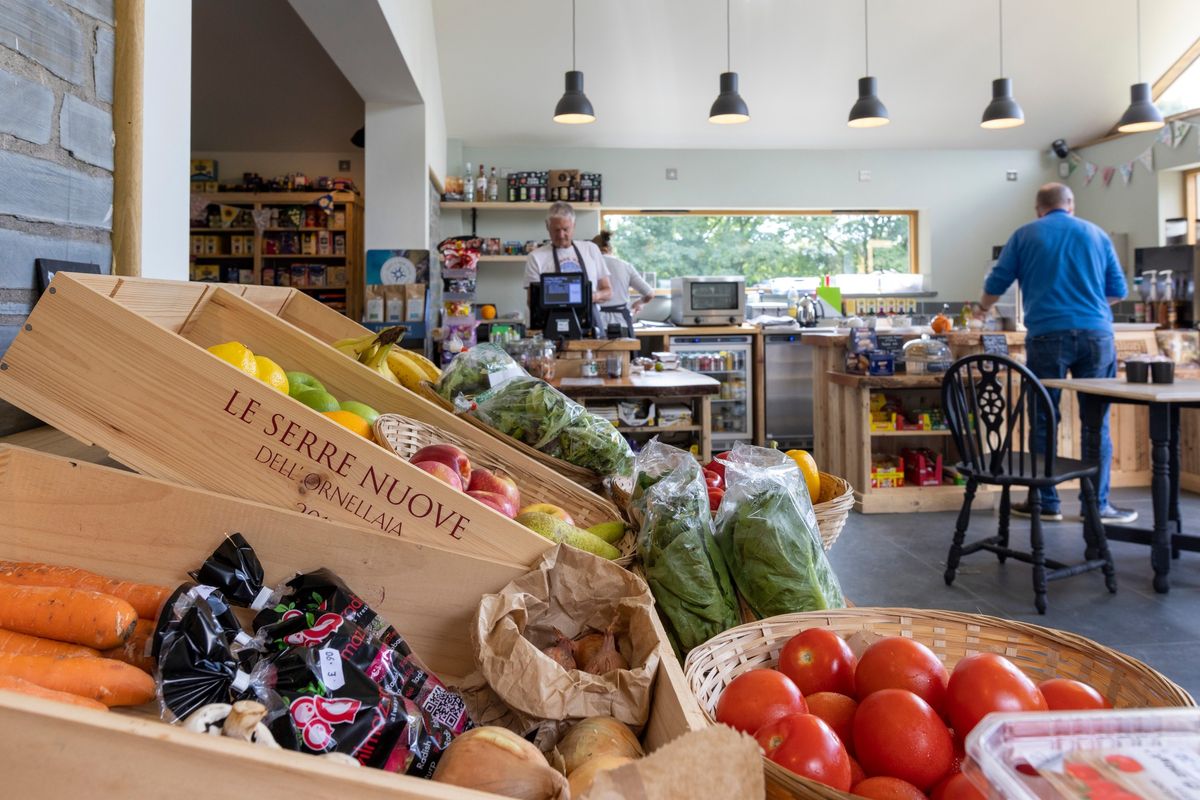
(574, 108)
(1003, 111)
(1142, 114)
(868, 110)
(729, 108)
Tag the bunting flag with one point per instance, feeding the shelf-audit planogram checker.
(1147, 159)
(1107, 175)
(1164, 135)
(1072, 165)
(261, 217)
(1179, 131)
(1126, 172)
(1089, 170)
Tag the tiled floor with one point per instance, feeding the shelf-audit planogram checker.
(898, 560)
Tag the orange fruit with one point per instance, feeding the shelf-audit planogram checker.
(488, 312)
(352, 421)
(808, 468)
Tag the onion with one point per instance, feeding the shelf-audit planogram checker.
(499, 761)
(562, 652)
(607, 658)
(597, 736)
(582, 779)
(587, 646)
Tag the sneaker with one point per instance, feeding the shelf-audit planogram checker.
(1111, 515)
(1022, 510)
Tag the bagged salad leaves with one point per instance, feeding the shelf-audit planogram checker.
(767, 531)
(683, 565)
(477, 370)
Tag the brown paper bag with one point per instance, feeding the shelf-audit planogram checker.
(717, 763)
(573, 591)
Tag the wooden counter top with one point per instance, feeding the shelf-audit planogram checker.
(669, 383)
(933, 381)
(705, 330)
(954, 338)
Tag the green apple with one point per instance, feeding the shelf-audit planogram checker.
(362, 409)
(301, 382)
(319, 400)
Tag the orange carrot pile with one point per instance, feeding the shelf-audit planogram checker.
(20, 644)
(133, 652)
(67, 615)
(11, 684)
(102, 679)
(146, 599)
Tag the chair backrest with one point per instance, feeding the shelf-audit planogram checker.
(992, 406)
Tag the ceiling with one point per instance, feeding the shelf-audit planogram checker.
(261, 82)
(651, 69)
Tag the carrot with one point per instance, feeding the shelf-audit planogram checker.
(110, 682)
(146, 598)
(11, 684)
(133, 652)
(23, 645)
(68, 615)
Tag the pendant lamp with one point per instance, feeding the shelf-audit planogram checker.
(1142, 114)
(574, 108)
(1003, 111)
(729, 108)
(868, 110)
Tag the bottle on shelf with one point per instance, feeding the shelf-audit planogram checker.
(493, 187)
(468, 185)
(481, 185)
(1139, 300)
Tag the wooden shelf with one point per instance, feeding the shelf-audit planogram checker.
(276, 198)
(941, 432)
(458, 205)
(296, 256)
(302, 230)
(320, 288)
(920, 498)
(222, 230)
(885, 382)
(505, 259)
(201, 258)
(659, 429)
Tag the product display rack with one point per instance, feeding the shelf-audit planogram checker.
(343, 296)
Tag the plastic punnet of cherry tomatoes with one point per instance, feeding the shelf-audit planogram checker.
(818, 660)
(805, 745)
(883, 787)
(901, 663)
(987, 682)
(757, 698)
(1065, 694)
(899, 735)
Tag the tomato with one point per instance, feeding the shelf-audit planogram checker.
(838, 712)
(857, 775)
(884, 788)
(805, 745)
(714, 498)
(900, 663)
(1064, 694)
(957, 787)
(818, 660)
(899, 735)
(757, 698)
(712, 479)
(1124, 763)
(986, 682)
(717, 465)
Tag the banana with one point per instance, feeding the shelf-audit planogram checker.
(376, 356)
(407, 372)
(610, 531)
(354, 347)
(432, 373)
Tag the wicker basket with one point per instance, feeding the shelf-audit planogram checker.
(1041, 653)
(406, 436)
(584, 477)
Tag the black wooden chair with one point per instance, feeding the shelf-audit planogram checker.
(992, 406)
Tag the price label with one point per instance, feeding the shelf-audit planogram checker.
(331, 668)
(994, 343)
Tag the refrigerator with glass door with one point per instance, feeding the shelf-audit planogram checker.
(729, 360)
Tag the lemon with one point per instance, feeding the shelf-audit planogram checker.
(271, 374)
(237, 354)
(808, 468)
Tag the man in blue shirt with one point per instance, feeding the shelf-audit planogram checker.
(1069, 276)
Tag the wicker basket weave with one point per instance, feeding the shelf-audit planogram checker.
(587, 478)
(1040, 653)
(406, 436)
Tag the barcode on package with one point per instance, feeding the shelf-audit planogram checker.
(445, 707)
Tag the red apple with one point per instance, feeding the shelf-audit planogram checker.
(503, 504)
(441, 472)
(447, 454)
(484, 480)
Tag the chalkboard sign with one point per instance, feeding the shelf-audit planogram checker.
(893, 345)
(994, 343)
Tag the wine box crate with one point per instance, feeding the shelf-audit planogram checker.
(62, 511)
(144, 388)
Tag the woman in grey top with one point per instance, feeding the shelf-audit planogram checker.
(621, 275)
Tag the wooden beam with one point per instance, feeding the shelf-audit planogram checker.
(1113, 134)
(1175, 70)
(127, 125)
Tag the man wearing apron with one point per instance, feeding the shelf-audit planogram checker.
(622, 275)
(564, 254)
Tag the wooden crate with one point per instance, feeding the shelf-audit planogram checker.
(139, 528)
(292, 316)
(158, 402)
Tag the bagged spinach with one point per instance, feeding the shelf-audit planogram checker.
(767, 531)
(683, 565)
(477, 370)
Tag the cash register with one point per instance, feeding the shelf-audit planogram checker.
(560, 303)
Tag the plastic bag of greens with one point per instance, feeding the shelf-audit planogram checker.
(767, 531)
(477, 370)
(683, 565)
(592, 442)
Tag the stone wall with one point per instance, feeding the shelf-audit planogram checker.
(56, 149)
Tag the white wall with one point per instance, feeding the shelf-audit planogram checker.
(411, 22)
(398, 214)
(965, 203)
(231, 165)
(166, 140)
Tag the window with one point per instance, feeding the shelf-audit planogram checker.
(1178, 90)
(764, 244)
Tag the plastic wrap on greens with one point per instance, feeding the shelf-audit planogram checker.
(533, 411)
(477, 370)
(767, 531)
(683, 565)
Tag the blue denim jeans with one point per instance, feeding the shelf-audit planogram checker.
(1085, 354)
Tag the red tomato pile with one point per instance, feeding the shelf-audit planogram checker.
(889, 724)
(714, 480)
